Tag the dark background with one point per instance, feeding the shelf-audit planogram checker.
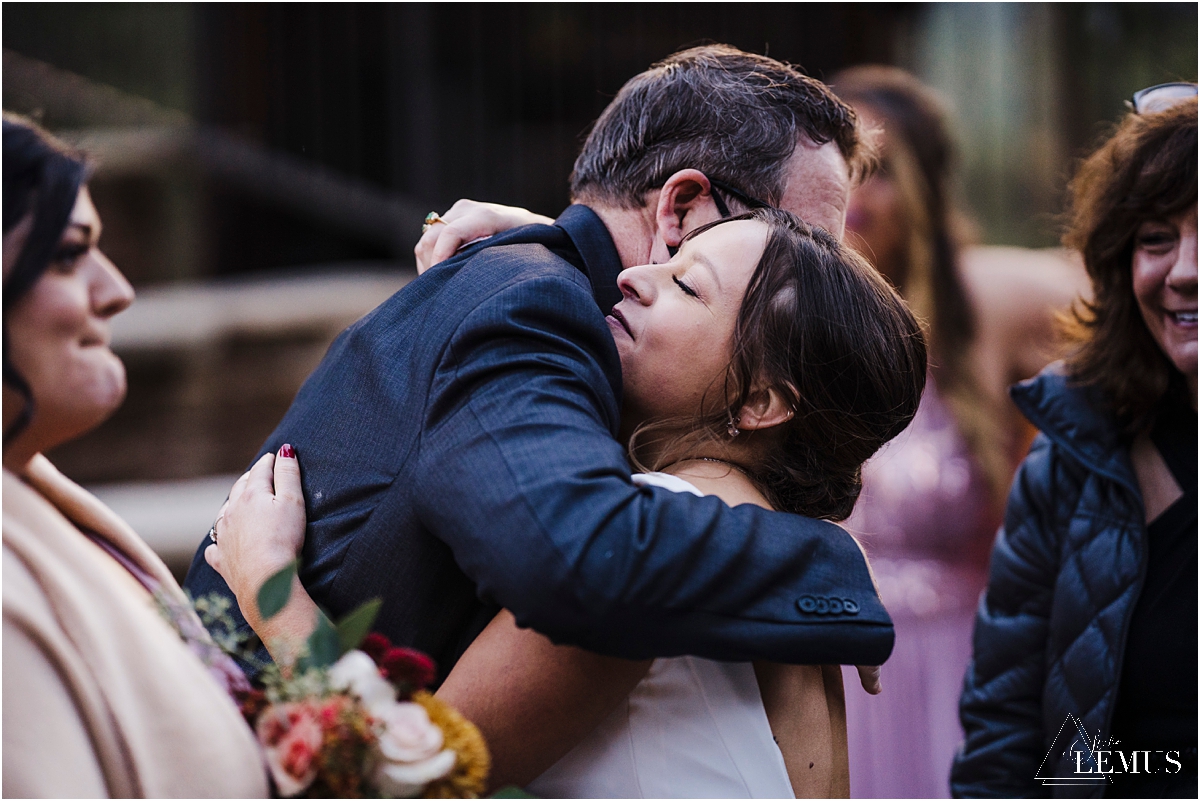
(434, 102)
(253, 142)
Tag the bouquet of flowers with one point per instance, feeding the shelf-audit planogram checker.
(350, 717)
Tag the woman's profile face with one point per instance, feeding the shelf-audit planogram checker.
(1164, 283)
(674, 327)
(58, 332)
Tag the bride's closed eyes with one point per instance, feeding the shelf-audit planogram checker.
(700, 278)
(687, 289)
(674, 325)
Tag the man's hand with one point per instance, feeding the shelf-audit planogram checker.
(466, 221)
(869, 676)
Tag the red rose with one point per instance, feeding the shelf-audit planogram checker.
(375, 646)
(408, 669)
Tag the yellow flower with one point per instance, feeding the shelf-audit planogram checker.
(468, 779)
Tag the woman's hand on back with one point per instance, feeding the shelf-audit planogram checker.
(466, 221)
(260, 530)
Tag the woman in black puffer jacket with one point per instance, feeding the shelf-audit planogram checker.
(1086, 640)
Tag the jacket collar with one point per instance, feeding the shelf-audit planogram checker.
(601, 263)
(1074, 417)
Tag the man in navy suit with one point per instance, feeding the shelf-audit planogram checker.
(458, 444)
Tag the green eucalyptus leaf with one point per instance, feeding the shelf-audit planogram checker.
(274, 593)
(354, 627)
(323, 645)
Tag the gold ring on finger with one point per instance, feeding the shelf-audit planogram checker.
(432, 219)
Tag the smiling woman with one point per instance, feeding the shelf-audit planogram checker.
(1134, 221)
(1163, 256)
(57, 338)
(1098, 552)
(95, 677)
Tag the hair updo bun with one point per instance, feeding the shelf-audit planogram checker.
(834, 339)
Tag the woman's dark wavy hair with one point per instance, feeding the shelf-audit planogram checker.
(42, 177)
(824, 329)
(1146, 170)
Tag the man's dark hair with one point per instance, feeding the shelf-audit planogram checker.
(735, 116)
(824, 329)
(1145, 171)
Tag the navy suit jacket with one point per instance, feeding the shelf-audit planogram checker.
(458, 454)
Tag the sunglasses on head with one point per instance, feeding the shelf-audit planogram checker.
(1160, 97)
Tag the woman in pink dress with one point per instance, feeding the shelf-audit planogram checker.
(932, 498)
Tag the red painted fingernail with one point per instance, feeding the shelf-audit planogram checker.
(287, 452)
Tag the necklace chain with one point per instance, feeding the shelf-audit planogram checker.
(727, 463)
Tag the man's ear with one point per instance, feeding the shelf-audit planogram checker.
(684, 203)
(765, 408)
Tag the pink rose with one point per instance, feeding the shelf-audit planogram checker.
(411, 747)
(408, 734)
(291, 735)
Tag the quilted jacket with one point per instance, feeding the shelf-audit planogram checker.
(1066, 573)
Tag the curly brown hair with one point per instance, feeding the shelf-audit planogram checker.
(1145, 170)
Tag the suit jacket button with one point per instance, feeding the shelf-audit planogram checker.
(822, 606)
(835, 606)
(850, 605)
(807, 604)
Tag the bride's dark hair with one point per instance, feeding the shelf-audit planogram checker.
(820, 326)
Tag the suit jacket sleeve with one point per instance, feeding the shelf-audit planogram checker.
(520, 474)
(1001, 705)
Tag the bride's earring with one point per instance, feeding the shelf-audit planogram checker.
(732, 429)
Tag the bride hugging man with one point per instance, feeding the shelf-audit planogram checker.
(466, 452)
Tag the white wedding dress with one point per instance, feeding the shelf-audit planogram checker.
(692, 728)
